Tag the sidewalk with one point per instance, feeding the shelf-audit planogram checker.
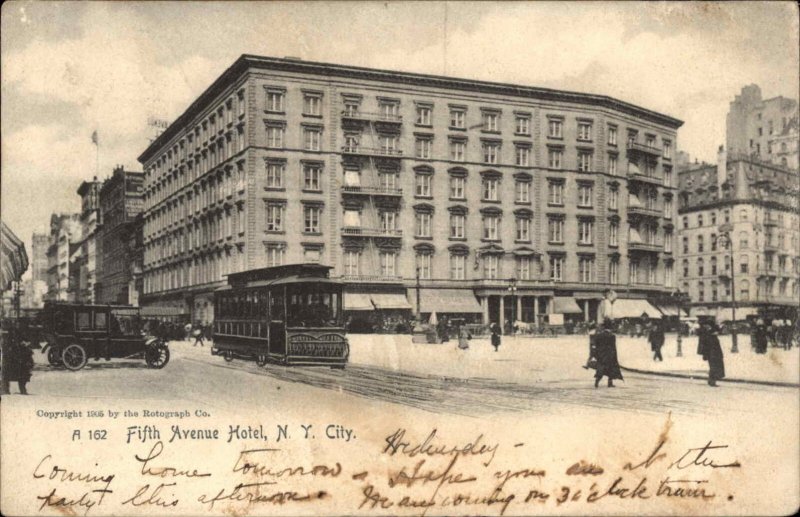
(777, 366)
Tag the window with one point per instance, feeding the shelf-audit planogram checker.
(388, 221)
(491, 121)
(491, 150)
(458, 150)
(275, 173)
(726, 216)
(699, 244)
(667, 176)
(491, 227)
(457, 184)
(555, 192)
(743, 264)
(713, 266)
(457, 226)
(701, 291)
(743, 240)
(275, 100)
(424, 115)
(239, 220)
(275, 217)
(491, 266)
(612, 164)
(387, 143)
(744, 294)
(613, 234)
(584, 131)
(240, 102)
(523, 125)
(685, 265)
(668, 275)
(458, 118)
(743, 214)
(555, 128)
(351, 143)
(667, 242)
(586, 269)
(523, 155)
(423, 224)
(584, 195)
(554, 158)
(523, 268)
(667, 151)
(700, 267)
(713, 241)
(312, 104)
(239, 140)
(423, 147)
(585, 231)
(555, 230)
(388, 263)
(311, 216)
(352, 263)
(556, 268)
(522, 192)
(668, 208)
(685, 222)
(612, 135)
(613, 199)
(523, 229)
(423, 185)
(351, 108)
(275, 255)
(584, 161)
(424, 264)
(490, 189)
(613, 271)
(275, 136)
(311, 177)
(633, 272)
(458, 267)
(312, 138)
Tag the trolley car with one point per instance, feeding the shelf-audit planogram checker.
(289, 315)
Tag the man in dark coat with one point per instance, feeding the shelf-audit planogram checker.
(20, 365)
(605, 355)
(761, 337)
(656, 338)
(495, 336)
(708, 346)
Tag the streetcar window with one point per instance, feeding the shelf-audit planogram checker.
(100, 320)
(276, 306)
(315, 308)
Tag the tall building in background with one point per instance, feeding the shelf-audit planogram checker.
(754, 203)
(65, 233)
(761, 127)
(86, 257)
(39, 244)
(120, 204)
(507, 201)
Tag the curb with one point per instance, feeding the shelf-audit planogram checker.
(705, 378)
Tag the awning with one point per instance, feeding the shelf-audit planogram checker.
(565, 305)
(447, 301)
(163, 311)
(588, 296)
(742, 313)
(390, 301)
(12, 256)
(634, 309)
(357, 302)
(668, 310)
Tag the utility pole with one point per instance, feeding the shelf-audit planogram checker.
(725, 237)
(419, 311)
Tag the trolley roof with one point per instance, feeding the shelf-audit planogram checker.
(288, 274)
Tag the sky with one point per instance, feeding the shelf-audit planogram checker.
(69, 69)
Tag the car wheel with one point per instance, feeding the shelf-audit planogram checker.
(157, 356)
(74, 357)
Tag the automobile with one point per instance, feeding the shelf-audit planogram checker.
(76, 332)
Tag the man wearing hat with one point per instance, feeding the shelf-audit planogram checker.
(708, 346)
(604, 349)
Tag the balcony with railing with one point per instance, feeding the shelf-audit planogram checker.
(359, 190)
(383, 152)
(652, 151)
(360, 231)
(385, 118)
(640, 210)
(645, 247)
(645, 178)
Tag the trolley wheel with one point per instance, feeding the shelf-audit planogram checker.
(74, 357)
(261, 359)
(228, 357)
(54, 357)
(157, 356)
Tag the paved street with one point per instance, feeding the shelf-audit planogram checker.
(528, 376)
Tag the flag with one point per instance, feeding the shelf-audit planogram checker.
(95, 140)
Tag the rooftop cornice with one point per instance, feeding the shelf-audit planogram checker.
(248, 61)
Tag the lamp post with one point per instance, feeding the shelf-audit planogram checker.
(513, 290)
(419, 312)
(725, 240)
(679, 299)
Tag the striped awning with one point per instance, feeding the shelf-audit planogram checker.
(565, 305)
(13, 257)
(390, 301)
(624, 308)
(357, 302)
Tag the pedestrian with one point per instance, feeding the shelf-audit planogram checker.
(20, 365)
(208, 331)
(198, 334)
(591, 361)
(495, 328)
(656, 338)
(761, 337)
(605, 355)
(606, 308)
(463, 337)
(708, 346)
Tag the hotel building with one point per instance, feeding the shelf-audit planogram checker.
(506, 201)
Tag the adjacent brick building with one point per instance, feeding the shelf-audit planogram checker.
(508, 201)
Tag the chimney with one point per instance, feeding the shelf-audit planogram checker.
(722, 165)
